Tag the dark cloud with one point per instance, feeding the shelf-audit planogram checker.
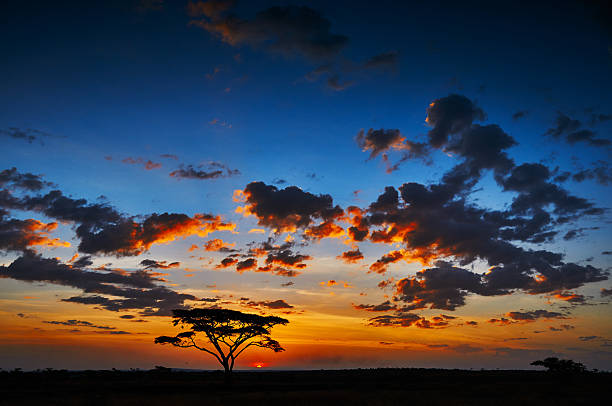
(319, 71)
(335, 83)
(79, 323)
(103, 230)
(383, 60)
(382, 141)
(402, 319)
(444, 287)
(437, 221)
(153, 264)
(351, 257)
(289, 208)
(111, 290)
(588, 338)
(450, 115)
(535, 190)
(533, 315)
(271, 304)
(382, 307)
(21, 235)
(600, 172)
(147, 164)
(213, 170)
(27, 134)
(381, 264)
(286, 258)
(12, 179)
(379, 141)
(227, 262)
(209, 8)
(577, 232)
(519, 114)
(568, 129)
(288, 30)
(247, 264)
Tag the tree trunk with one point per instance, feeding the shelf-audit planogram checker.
(228, 375)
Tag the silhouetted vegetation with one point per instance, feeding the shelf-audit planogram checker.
(554, 364)
(229, 333)
(358, 387)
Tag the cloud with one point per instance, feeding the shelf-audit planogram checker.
(605, 292)
(533, 315)
(568, 129)
(286, 209)
(382, 61)
(588, 338)
(214, 170)
(288, 30)
(381, 265)
(218, 244)
(271, 304)
(152, 264)
(437, 221)
(227, 262)
(379, 141)
(519, 114)
(103, 230)
(12, 179)
(247, 264)
(600, 172)
(450, 115)
(334, 83)
(148, 164)
(27, 134)
(382, 307)
(210, 8)
(351, 257)
(79, 323)
(286, 258)
(21, 235)
(402, 319)
(111, 290)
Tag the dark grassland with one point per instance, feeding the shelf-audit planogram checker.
(287, 388)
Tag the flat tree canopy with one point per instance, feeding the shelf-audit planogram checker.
(228, 332)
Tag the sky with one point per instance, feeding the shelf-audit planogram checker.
(414, 185)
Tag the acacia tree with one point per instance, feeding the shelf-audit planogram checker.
(228, 332)
(554, 364)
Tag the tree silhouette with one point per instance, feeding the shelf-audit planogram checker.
(229, 333)
(554, 364)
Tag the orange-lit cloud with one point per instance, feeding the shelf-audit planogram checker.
(351, 257)
(218, 244)
(380, 266)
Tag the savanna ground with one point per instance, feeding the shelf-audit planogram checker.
(293, 388)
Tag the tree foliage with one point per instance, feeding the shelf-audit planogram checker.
(554, 364)
(227, 332)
